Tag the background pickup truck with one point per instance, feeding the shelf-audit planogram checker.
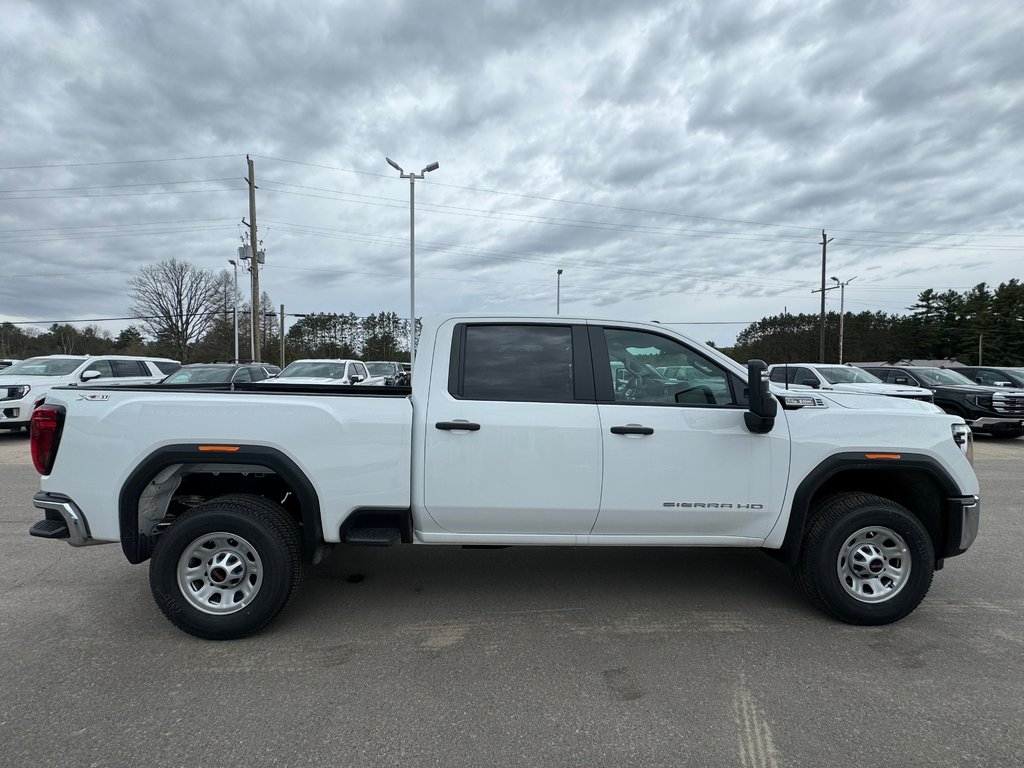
(997, 411)
(542, 431)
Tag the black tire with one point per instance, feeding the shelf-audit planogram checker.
(254, 567)
(1007, 434)
(865, 559)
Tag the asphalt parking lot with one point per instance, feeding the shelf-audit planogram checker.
(431, 656)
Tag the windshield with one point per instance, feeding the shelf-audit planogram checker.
(324, 369)
(846, 374)
(937, 376)
(200, 375)
(380, 369)
(43, 366)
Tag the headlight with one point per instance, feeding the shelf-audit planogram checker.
(964, 439)
(19, 391)
(983, 401)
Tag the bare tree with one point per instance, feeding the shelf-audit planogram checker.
(176, 302)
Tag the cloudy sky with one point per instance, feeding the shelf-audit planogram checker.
(678, 160)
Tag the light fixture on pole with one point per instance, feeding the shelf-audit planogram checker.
(234, 264)
(412, 247)
(842, 310)
(558, 293)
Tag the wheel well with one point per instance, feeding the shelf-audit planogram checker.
(914, 484)
(916, 490)
(173, 480)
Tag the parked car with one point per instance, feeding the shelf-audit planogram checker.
(993, 377)
(328, 371)
(24, 385)
(394, 373)
(219, 373)
(841, 378)
(996, 411)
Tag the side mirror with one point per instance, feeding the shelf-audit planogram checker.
(760, 418)
(355, 378)
(813, 383)
(90, 375)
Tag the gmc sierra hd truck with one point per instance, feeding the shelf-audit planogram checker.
(515, 431)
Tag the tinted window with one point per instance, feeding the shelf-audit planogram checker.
(126, 368)
(242, 374)
(518, 362)
(778, 375)
(166, 367)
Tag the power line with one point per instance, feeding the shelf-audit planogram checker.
(117, 186)
(116, 162)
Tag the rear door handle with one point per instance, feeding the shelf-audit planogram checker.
(468, 426)
(632, 429)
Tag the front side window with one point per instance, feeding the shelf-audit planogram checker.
(518, 362)
(103, 366)
(637, 358)
(242, 374)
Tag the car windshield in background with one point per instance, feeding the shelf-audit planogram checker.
(43, 366)
(844, 374)
(324, 370)
(201, 375)
(380, 369)
(935, 377)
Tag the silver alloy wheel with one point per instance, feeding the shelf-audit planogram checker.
(874, 564)
(220, 573)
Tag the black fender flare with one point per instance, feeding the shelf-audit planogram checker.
(789, 552)
(138, 547)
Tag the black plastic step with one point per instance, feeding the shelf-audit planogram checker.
(50, 529)
(373, 537)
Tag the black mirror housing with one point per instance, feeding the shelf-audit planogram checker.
(762, 408)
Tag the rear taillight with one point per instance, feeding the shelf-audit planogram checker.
(47, 425)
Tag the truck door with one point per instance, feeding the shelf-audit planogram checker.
(528, 460)
(678, 459)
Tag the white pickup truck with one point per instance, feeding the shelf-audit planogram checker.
(515, 431)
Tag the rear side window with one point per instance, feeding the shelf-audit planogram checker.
(530, 363)
(166, 367)
(128, 368)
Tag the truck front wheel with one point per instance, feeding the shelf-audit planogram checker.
(226, 568)
(865, 559)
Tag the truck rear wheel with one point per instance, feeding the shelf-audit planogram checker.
(865, 559)
(226, 568)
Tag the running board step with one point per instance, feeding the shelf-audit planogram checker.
(373, 537)
(50, 529)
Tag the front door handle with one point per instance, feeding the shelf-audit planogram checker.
(632, 429)
(453, 425)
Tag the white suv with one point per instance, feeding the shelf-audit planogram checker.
(841, 378)
(24, 385)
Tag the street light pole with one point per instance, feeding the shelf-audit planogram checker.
(412, 247)
(842, 310)
(234, 264)
(558, 293)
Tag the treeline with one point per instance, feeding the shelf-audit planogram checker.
(187, 314)
(382, 336)
(939, 326)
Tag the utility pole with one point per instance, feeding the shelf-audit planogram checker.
(282, 335)
(842, 310)
(255, 263)
(824, 243)
(558, 293)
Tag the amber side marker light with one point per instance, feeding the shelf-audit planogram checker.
(218, 448)
(885, 456)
